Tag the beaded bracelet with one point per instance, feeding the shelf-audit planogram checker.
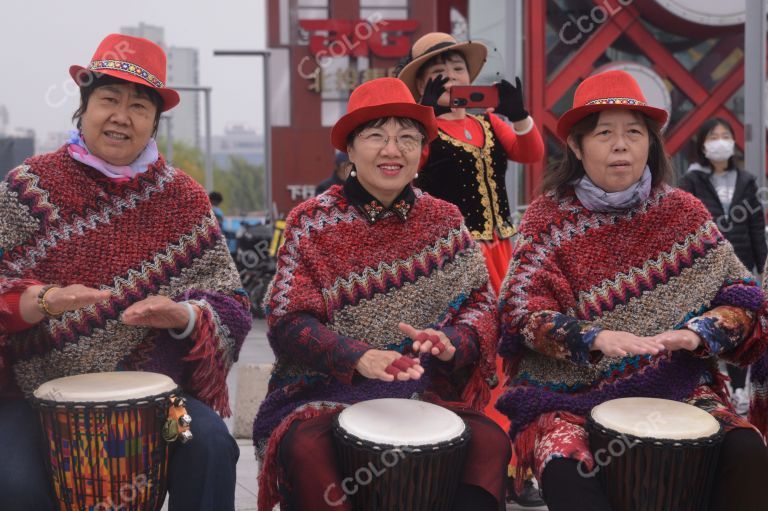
(43, 304)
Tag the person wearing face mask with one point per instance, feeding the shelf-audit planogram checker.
(730, 195)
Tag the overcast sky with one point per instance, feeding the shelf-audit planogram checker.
(40, 39)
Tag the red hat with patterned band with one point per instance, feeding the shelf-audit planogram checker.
(603, 91)
(133, 59)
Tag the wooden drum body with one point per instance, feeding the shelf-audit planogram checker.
(104, 437)
(654, 454)
(400, 454)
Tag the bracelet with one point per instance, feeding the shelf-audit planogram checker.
(190, 323)
(42, 303)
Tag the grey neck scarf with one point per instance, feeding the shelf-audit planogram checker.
(596, 199)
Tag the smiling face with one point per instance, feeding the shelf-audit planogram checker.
(451, 65)
(118, 122)
(386, 158)
(615, 152)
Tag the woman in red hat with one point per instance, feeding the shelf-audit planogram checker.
(380, 292)
(111, 259)
(622, 286)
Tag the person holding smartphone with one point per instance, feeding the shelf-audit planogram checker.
(467, 163)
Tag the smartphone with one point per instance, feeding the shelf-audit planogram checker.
(474, 96)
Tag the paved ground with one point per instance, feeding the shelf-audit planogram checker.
(257, 351)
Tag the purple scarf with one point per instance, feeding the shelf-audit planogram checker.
(80, 152)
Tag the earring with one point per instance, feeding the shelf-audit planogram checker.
(353, 172)
(416, 176)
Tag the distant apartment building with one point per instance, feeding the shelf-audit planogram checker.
(53, 141)
(183, 69)
(14, 149)
(240, 140)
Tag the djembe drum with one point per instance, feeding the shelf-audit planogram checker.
(104, 433)
(654, 454)
(400, 454)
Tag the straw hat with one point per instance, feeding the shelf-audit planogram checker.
(434, 43)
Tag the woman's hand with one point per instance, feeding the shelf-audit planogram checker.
(59, 300)
(387, 365)
(157, 312)
(429, 341)
(683, 339)
(511, 101)
(614, 343)
(433, 90)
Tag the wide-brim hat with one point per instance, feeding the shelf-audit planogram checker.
(603, 91)
(434, 43)
(382, 97)
(133, 59)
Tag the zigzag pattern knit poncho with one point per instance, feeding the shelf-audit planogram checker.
(660, 266)
(342, 286)
(62, 222)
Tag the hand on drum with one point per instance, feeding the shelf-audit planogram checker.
(429, 341)
(388, 366)
(614, 343)
(683, 339)
(59, 300)
(157, 312)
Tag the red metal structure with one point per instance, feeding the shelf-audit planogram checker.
(625, 20)
(301, 150)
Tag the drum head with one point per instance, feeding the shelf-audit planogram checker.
(646, 417)
(401, 422)
(105, 387)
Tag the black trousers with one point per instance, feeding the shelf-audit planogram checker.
(741, 479)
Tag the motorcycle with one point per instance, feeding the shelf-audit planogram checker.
(255, 261)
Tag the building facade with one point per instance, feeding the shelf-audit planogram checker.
(183, 69)
(687, 55)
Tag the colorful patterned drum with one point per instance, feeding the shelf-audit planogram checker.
(104, 433)
(400, 454)
(654, 454)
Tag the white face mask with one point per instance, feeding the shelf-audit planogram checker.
(718, 150)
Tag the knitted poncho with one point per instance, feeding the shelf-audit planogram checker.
(63, 222)
(660, 266)
(348, 272)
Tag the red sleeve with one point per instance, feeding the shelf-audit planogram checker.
(12, 321)
(528, 148)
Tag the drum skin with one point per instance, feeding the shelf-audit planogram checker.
(389, 477)
(653, 474)
(106, 455)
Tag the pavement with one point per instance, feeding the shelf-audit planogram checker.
(256, 350)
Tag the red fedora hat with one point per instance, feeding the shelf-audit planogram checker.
(132, 59)
(603, 91)
(382, 97)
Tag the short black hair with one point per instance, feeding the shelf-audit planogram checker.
(701, 138)
(440, 58)
(216, 198)
(102, 80)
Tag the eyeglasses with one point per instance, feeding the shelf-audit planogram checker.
(405, 141)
